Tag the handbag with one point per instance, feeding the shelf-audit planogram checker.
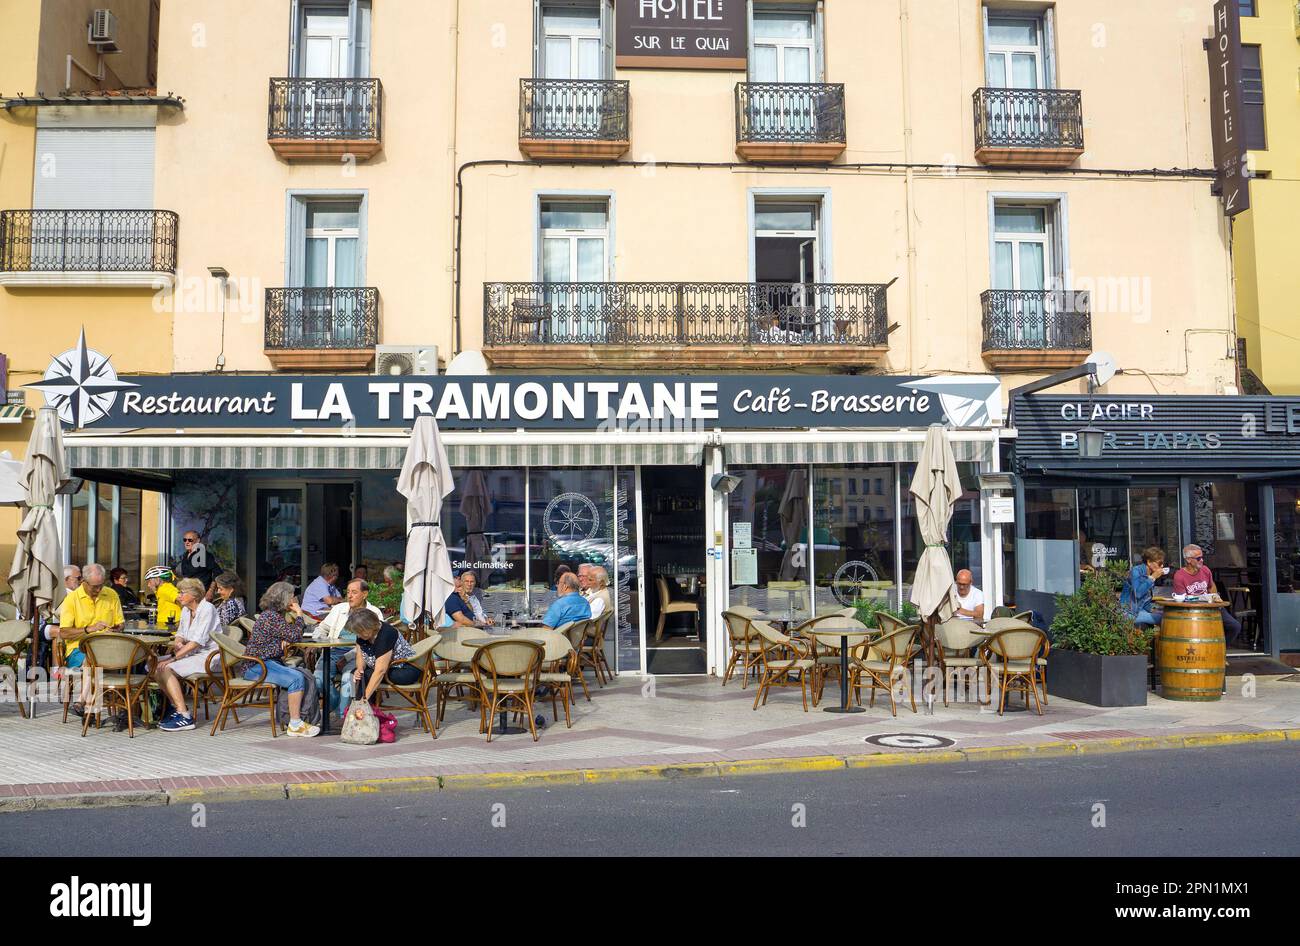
(387, 726)
(360, 726)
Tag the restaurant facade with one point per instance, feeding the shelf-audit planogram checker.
(1219, 472)
(784, 492)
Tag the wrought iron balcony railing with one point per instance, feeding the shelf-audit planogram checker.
(685, 313)
(88, 241)
(325, 109)
(1036, 319)
(790, 112)
(322, 318)
(574, 109)
(1028, 118)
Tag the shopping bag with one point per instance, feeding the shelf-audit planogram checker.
(360, 726)
(387, 726)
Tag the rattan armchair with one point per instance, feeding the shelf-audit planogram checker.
(591, 647)
(781, 658)
(453, 677)
(559, 667)
(506, 672)
(15, 638)
(412, 697)
(238, 692)
(745, 646)
(895, 650)
(111, 661)
(1018, 658)
(960, 648)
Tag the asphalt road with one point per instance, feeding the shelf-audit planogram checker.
(1239, 800)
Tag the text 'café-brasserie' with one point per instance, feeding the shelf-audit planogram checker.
(787, 493)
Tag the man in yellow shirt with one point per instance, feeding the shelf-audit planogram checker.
(162, 582)
(89, 609)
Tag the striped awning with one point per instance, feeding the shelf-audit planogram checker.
(875, 451)
(14, 413)
(181, 456)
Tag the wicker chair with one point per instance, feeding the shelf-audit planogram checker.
(960, 648)
(1014, 658)
(668, 606)
(895, 649)
(1019, 622)
(201, 685)
(412, 697)
(238, 692)
(559, 666)
(780, 658)
(15, 638)
(506, 672)
(111, 660)
(454, 676)
(745, 647)
(826, 650)
(590, 637)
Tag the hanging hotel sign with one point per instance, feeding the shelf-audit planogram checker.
(681, 34)
(1227, 120)
(1170, 432)
(83, 387)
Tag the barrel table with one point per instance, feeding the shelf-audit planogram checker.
(1190, 650)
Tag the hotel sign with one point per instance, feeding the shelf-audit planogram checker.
(681, 34)
(1227, 121)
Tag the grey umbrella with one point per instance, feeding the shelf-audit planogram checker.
(475, 504)
(794, 523)
(426, 481)
(936, 487)
(36, 575)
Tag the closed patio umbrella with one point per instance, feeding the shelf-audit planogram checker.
(475, 504)
(425, 481)
(36, 575)
(936, 487)
(794, 523)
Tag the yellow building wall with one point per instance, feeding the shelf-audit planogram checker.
(1265, 237)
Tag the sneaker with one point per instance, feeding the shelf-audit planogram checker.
(539, 721)
(175, 722)
(302, 729)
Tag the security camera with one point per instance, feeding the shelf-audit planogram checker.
(724, 483)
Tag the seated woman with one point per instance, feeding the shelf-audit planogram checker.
(463, 607)
(117, 578)
(379, 646)
(191, 647)
(230, 598)
(278, 625)
(1135, 598)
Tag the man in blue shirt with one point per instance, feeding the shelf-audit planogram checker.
(569, 604)
(322, 594)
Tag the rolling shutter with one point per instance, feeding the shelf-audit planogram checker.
(94, 169)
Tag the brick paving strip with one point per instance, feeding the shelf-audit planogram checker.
(685, 729)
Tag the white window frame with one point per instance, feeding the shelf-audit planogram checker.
(574, 196)
(1042, 52)
(772, 195)
(605, 33)
(573, 235)
(1058, 223)
(295, 231)
(812, 43)
(332, 235)
(818, 10)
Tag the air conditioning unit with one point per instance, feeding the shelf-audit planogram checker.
(103, 31)
(398, 360)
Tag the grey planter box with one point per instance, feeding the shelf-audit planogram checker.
(1098, 680)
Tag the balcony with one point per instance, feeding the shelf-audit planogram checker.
(1031, 329)
(325, 119)
(574, 119)
(797, 123)
(1037, 128)
(128, 248)
(685, 325)
(322, 329)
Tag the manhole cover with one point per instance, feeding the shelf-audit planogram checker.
(909, 740)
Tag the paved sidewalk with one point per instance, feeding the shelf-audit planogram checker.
(630, 723)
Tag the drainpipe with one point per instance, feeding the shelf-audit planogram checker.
(454, 147)
(909, 202)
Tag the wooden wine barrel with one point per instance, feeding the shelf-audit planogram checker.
(1190, 652)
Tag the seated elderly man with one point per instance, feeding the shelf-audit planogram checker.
(332, 627)
(970, 600)
(597, 590)
(569, 604)
(90, 609)
(463, 606)
(321, 594)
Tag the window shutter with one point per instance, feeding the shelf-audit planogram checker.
(819, 38)
(988, 79)
(749, 69)
(359, 37)
(296, 243)
(1049, 47)
(294, 31)
(607, 37)
(94, 169)
(538, 66)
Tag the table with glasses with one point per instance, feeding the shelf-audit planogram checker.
(479, 642)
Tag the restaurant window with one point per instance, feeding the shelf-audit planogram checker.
(1285, 618)
(483, 522)
(105, 533)
(1047, 558)
(570, 516)
(1103, 526)
(851, 560)
(1154, 521)
(1252, 98)
(80, 545)
(768, 515)
(130, 508)
(965, 549)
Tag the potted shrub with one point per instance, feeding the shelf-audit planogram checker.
(1098, 655)
(868, 608)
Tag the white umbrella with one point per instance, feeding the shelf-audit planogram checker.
(936, 486)
(36, 576)
(426, 481)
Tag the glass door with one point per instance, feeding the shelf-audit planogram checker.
(325, 55)
(787, 262)
(278, 529)
(570, 49)
(1022, 260)
(1284, 619)
(1225, 524)
(784, 52)
(574, 241)
(330, 319)
(1014, 59)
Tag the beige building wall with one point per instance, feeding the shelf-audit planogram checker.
(215, 168)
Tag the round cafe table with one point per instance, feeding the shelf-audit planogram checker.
(477, 642)
(842, 628)
(324, 648)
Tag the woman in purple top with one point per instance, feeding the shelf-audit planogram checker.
(278, 624)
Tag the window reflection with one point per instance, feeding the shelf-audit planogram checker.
(483, 523)
(570, 515)
(769, 540)
(854, 536)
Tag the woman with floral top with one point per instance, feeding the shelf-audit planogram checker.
(230, 598)
(277, 626)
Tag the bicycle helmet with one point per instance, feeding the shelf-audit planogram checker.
(159, 571)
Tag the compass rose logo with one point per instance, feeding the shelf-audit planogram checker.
(81, 385)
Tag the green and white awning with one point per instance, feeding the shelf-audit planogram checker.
(741, 453)
(14, 413)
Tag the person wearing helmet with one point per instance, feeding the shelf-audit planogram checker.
(161, 582)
